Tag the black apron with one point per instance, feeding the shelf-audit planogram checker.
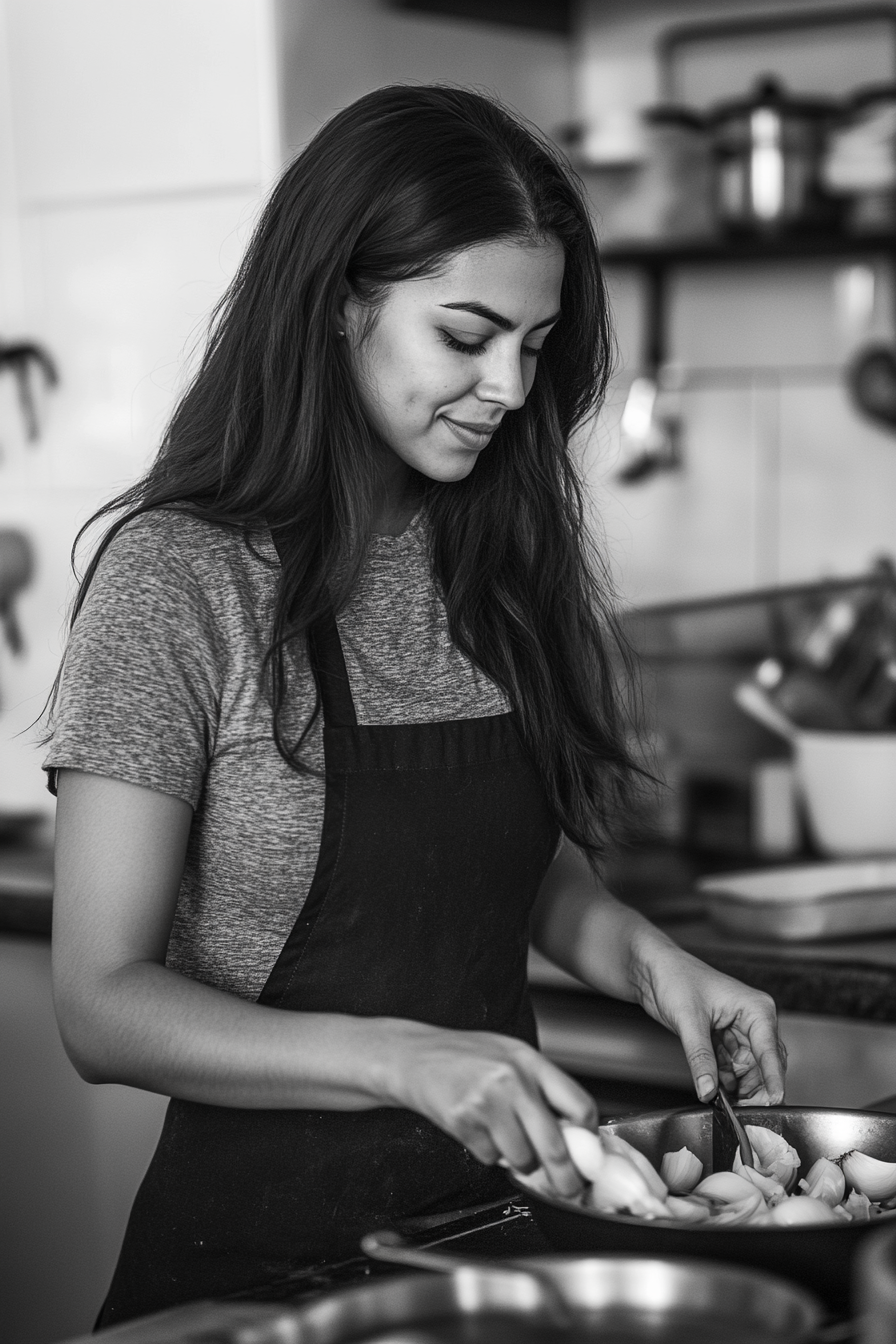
(436, 837)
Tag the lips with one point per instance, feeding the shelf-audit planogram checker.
(470, 433)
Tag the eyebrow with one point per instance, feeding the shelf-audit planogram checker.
(481, 310)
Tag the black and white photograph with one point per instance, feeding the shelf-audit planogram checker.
(448, 671)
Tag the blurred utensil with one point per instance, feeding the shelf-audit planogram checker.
(504, 1283)
(721, 1102)
(872, 383)
(754, 701)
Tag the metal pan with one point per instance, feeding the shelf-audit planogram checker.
(621, 1299)
(629, 1300)
(819, 1258)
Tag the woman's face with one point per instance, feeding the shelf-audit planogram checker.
(447, 357)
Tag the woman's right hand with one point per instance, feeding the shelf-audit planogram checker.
(496, 1095)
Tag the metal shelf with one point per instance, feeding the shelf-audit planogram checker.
(655, 260)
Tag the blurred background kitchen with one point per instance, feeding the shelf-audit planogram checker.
(741, 161)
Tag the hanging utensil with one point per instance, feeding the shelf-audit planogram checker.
(17, 358)
(871, 379)
(753, 700)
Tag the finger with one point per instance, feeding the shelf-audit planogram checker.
(565, 1096)
(510, 1139)
(701, 1057)
(770, 1055)
(727, 1080)
(546, 1137)
(478, 1141)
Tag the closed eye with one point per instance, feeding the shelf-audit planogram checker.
(463, 347)
(478, 347)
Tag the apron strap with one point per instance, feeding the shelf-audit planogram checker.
(328, 665)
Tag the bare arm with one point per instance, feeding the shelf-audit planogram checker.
(125, 1017)
(726, 1028)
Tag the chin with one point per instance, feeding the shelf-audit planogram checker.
(456, 470)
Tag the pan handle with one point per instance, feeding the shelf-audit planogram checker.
(498, 1283)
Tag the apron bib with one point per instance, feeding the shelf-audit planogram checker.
(435, 841)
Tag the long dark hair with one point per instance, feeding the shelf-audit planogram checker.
(271, 430)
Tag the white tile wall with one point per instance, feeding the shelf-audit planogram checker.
(126, 292)
(837, 485)
(689, 531)
(143, 139)
(782, 480)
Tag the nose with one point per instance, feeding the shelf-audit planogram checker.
(503, 378)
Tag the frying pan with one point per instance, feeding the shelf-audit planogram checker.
(819, 1258)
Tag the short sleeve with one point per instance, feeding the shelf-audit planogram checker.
(139, 697)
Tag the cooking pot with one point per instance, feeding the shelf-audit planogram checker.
(820, 1258)
(768, 149)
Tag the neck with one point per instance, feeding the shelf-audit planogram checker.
(397, 501)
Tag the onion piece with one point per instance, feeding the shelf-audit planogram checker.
(747, 1210)
(869, 1175)
(775, 1157)
(824, 1180)
(586, 1152)
(772, 1191)
(725, 1187)
(614, 1143)
(685, 1210)
(681, 1170)
(621, 1188)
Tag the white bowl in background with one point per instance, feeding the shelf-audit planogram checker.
(848, 785)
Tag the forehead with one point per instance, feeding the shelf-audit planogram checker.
(520, 280)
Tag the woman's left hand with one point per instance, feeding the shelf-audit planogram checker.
(728, 1030)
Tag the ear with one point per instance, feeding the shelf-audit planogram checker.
(348, 313)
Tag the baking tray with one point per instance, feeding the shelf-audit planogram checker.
(805, 902)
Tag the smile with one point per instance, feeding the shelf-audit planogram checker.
(471, 435)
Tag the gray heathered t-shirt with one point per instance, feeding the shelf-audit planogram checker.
(161, 688)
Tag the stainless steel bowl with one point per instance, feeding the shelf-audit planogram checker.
(819, 1258)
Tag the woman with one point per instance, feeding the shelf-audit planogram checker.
(364, 506)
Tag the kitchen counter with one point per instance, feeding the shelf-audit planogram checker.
(853, 978)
